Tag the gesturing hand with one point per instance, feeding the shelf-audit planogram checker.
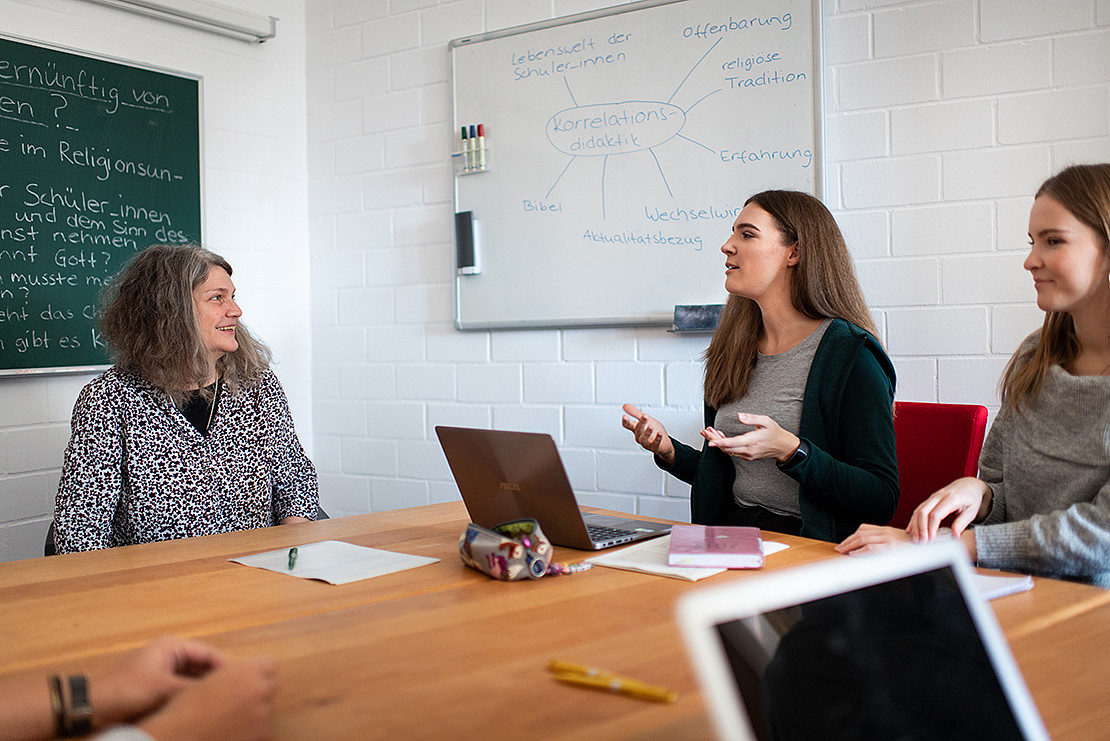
(767, 440)
(649, 433)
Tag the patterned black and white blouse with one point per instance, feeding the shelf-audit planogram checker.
(136, 470)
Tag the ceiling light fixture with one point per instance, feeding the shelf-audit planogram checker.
(205, 15)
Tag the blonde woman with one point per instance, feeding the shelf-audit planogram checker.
(1042, 500)
(189, 433)
(798, 432)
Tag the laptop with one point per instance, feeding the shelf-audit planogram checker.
(505, 476)
(898, 645)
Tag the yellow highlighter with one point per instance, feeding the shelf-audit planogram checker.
(587, 676)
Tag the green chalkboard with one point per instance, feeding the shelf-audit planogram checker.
(99, 159)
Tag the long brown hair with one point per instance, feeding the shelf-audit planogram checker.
(823, 284)
(149, 321)
(1084, 190)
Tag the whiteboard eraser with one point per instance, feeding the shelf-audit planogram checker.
(697, 317)
(466, 244)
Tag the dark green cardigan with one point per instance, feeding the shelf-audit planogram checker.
(851, 474)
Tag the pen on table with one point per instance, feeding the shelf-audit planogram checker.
(292, 558)
(587, 676)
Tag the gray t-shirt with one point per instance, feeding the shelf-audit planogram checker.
(776, 388)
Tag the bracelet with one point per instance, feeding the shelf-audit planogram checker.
(55, 684)
(78, 713)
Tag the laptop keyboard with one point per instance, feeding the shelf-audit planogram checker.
(600, 533)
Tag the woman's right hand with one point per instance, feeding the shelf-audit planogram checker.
(649, 433)
(146, 678)
(968, 499)
(234, 702)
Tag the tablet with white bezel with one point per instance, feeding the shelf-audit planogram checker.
(897, 645)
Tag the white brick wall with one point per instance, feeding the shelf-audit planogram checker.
(1017, 19)
(905, 282)
(890, 182)
(927, 27)
(965, 124)
(993, 70)
(943, 117)
(995, 173)
(886, 82)
(944, 229)
(1036, 117)
(1084, 59)
(256, 209)
(865, 134)
(958, 331)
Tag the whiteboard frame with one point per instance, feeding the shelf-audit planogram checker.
(86, 369)
(819, 183)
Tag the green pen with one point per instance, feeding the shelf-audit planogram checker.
(292, 558)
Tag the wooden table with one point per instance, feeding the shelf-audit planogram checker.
(442, 651)
(1067, 667)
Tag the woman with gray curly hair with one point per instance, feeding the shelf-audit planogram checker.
(189, 433)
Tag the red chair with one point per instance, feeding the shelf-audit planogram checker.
(937, 444)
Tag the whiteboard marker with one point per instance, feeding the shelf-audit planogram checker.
(473, 148)
(481, 146)
(465, 151)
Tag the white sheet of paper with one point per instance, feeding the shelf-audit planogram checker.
(335, 562)
(650, 557)
(993, 587)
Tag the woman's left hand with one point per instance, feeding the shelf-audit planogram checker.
(767, 440)
(869, 538)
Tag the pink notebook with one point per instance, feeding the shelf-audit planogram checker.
(717, 546)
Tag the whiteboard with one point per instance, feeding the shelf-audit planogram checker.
(619, 147)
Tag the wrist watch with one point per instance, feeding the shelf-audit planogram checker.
(796, 457)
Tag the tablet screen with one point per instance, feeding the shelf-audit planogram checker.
(900, 660)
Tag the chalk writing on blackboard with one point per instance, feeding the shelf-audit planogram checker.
(98, 160)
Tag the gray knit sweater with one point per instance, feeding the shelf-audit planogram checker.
(1049, 467)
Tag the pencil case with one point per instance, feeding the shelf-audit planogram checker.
(508, 552)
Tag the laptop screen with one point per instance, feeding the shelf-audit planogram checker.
(901, 659)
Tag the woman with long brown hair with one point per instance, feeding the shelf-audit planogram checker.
(798, 431)
(1042, 498)
(189, 433)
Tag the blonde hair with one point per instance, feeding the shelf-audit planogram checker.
(150, 324)
(1084, 190)
(822, 285)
